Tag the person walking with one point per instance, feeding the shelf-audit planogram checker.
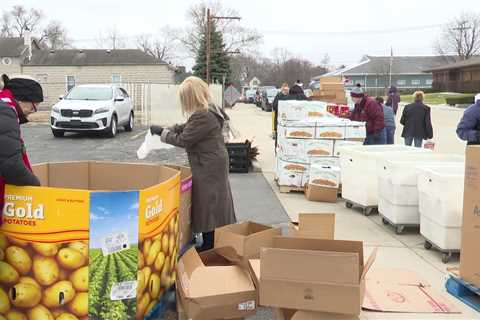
(389, 119)
(369, 111)
(393, 98)
(416, 121)
(468, 128)
(297, 93)
(19, 98)
(202, 138)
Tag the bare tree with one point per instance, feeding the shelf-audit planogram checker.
(461, 36)
(235, 35)
(18, 20)
(163, 46)
(110, 39)
(55, 36)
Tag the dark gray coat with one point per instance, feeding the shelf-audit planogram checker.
(12, 167)
(201, 136)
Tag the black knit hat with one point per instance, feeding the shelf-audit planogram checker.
(25, 89)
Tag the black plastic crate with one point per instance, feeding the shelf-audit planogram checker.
(239, 157)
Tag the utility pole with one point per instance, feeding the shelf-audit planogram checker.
(210, 19)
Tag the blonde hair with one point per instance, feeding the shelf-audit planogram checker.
(419, 96)
(194, 95)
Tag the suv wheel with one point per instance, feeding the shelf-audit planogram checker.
(58, 133)
(112, 129)
(131, 123)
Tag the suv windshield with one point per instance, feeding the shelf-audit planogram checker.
(272, 92)
(89, 93)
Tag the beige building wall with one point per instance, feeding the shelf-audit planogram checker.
(12, 69)
(54, 78)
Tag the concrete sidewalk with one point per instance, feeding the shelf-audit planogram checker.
(395, 251)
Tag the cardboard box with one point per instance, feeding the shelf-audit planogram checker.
(331, 79)
(184, 214)
(318, 148)
(314, 275)
(333, 87)
(325, 176)
(212, 286)
(107, 220)
(292, 174)
(292, 149)
(344, 143)
(356, 130)
(297, 130)
(470, 258)
(399, 290)
(321, 194)
(246, 238)
(331, 130)
(314, 226)
(292, 111)
(325, 161)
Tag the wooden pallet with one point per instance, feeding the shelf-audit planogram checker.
(464, 292)
(288, 189)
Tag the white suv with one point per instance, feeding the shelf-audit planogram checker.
(100, 108)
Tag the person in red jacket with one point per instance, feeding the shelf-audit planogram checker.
(369, 111)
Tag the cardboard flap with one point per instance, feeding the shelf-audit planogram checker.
(232, 235)
(221, 280)
(369, 263)
(41, 171)
(228, 253)
(260, 239)
(309, 266)
(395, 276)
(321, 245)
(321, 226)
(254, 269)
(71, 175)
(189, 262)
(305, 315)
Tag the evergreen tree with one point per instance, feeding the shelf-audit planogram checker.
(219, 60)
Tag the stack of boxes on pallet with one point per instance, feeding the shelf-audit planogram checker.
(331, 90)
(307, 149)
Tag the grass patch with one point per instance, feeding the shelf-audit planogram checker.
(436, 98)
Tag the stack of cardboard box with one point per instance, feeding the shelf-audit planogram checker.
(309, 138)
(331, 90)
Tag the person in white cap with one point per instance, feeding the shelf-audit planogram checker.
(468, 128)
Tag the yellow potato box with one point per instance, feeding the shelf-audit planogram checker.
(71, 249)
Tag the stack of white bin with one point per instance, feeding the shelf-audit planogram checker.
(441, 207)
(397, 185)
(359, 172)
(307, 135)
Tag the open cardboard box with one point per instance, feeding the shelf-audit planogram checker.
(321, 194)
(212, 285)
(112, 219)
(307, 270)
(246, 238)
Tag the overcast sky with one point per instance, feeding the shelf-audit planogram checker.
(345, 29)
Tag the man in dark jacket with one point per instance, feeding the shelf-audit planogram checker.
(469, 127)
(369, 111)
(393, 98)
(282, 95)
(14, 164)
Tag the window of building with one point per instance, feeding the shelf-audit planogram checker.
(429, 82)
(70, 83)
(401, 82)
(116, 78)
(416, 82)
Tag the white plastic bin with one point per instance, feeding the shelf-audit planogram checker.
(359, 170)
(399, 214)
(441, 205)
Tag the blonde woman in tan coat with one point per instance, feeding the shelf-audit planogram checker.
(202, 138)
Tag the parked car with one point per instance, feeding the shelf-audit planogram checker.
(268, 98)
(250, 96)
(93, 108)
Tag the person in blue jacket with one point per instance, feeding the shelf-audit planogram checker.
(469, 127)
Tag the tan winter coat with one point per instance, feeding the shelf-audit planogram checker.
(201, 136)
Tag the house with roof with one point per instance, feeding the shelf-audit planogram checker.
(60, 70)
(376, 73)
(461, 76)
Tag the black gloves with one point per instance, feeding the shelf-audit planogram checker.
(156, 130)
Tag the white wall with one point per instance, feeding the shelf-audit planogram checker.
(165, 105)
